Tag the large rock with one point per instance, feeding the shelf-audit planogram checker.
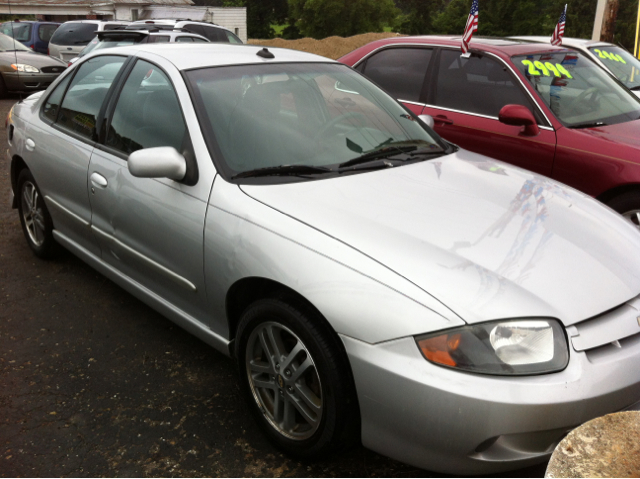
(607, 446)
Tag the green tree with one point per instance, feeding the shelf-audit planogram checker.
(323, 18)
(416, 17)
(261, 14)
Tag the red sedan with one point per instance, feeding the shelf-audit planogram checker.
(544, 108)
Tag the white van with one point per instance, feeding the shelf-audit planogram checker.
(71, 37)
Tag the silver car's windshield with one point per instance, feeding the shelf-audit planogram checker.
(301, 115)
(622, 64)
(8, 44)
(578, 91)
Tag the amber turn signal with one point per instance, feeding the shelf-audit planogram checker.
(438, 349)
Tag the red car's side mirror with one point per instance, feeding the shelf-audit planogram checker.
(518, 115)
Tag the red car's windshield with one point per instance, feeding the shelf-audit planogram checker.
(579, 92)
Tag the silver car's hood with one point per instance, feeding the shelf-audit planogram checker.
(487, 239)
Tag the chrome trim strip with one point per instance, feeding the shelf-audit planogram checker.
(167, 272)
(67, 211)
(462, 112)
(542, 127)
(412, 102)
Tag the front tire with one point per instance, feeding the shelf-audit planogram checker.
(34, 217)
(628, 205)
(296, 379)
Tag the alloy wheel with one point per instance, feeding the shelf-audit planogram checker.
(284, 380)
(32, 213)
(633, 216)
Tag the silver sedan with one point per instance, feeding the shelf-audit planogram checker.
(374, 282)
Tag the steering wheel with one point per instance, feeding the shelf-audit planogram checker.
(331, 123)
(593, 91)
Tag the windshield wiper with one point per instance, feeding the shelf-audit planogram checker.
(635, 88)
(390, 151)
(283, 170)
(381, 154)
(589, 124)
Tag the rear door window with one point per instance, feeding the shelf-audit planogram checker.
(17, 30)
(192, 27)
(159, 39)
(215, 34)
(45, 32)
(232, 38)
(400, 71)
(74, 34)
(89, 88)
(477, 85)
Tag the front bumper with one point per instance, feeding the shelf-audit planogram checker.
(448, 421)
(28, 81)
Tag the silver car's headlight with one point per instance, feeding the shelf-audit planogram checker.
(509, 347)
(21, 67)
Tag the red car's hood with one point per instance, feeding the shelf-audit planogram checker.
(621, 140)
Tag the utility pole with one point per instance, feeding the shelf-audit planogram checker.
(604, 26)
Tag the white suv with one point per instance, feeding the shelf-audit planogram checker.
(71, 37)
(215, 33)
(121, 38)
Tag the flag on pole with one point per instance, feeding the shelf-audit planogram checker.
(558, 33)
(471, 28)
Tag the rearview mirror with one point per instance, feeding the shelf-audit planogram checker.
(518, 115)
(159, 162)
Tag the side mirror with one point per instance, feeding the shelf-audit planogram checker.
(160, 162)
(428, 120)
(518, 115)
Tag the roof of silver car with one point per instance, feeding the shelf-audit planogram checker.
(189, 55)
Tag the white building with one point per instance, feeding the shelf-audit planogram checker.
(234, 19)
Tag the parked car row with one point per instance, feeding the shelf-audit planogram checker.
(547, 109)
(70, 40)
(375, 279)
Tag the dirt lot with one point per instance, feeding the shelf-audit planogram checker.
(94, 383)
(331, 47)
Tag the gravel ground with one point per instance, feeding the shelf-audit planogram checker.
(95, 383)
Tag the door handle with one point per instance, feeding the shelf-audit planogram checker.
(98, 180)
(30, 144)
(442, 119)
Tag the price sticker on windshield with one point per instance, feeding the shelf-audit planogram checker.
(537, 68)
(605, 55)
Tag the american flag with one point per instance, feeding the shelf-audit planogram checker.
(558, 33)
(471, 28)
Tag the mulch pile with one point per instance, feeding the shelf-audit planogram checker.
(330, 47)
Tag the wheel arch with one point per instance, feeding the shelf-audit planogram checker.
(246, 291)
(17, 165)
(617, 191)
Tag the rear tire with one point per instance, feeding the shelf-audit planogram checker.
(628, 205)
(37, 225)
(296, 379)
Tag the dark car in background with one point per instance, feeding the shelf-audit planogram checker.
(35, 35)
(23, 70)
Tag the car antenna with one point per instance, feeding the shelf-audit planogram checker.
(15, 51)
